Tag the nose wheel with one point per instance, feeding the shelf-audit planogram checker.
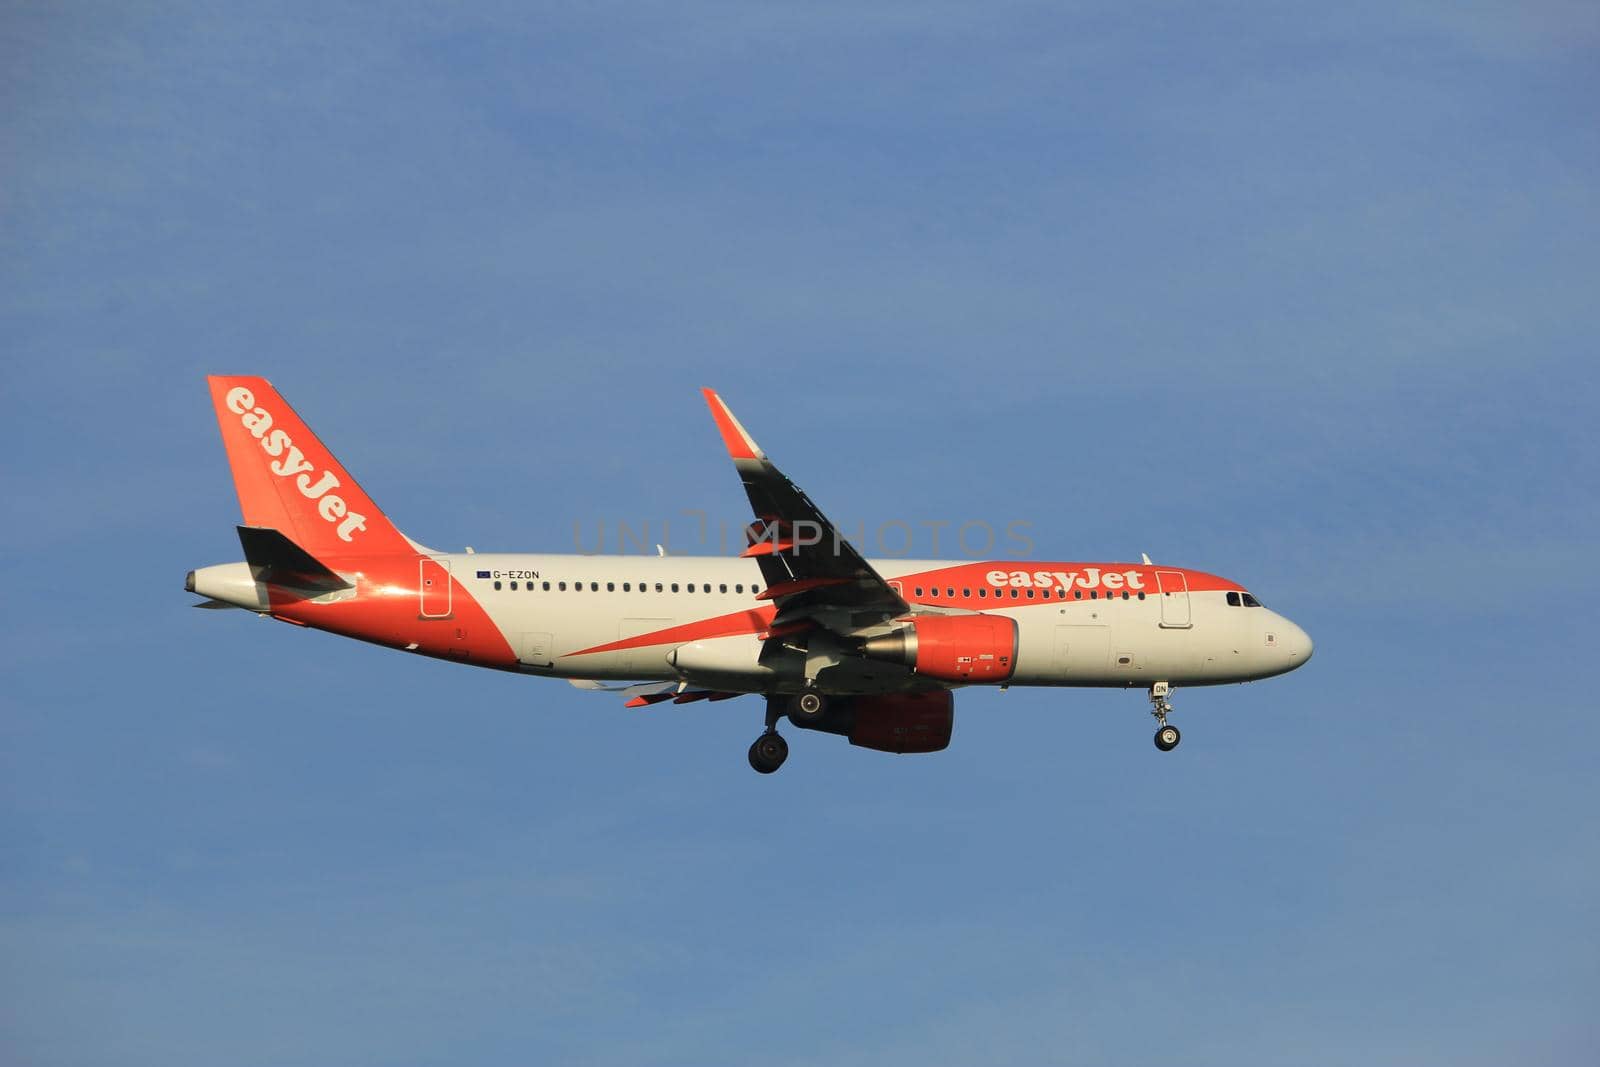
(1167, 735)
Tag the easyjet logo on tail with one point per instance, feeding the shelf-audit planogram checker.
(289, 462)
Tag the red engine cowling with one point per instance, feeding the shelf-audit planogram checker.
(891, 722)
(904, 722)
(952, 648)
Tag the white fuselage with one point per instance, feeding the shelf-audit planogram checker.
(560, 612)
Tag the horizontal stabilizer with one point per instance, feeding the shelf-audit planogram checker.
(276, 560)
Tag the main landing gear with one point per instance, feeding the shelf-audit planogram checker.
(769, 752)
(805, 708)
(1167, 736)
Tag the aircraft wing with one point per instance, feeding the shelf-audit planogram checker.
(812, 574)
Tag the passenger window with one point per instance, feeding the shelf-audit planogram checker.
(658, 587)
(546, 587)
(627, 587)
(1015, 594)
(723, 588)
(1233, 599)
(562, 587)
(966, 592)
(1141, 596)
(739, 588)
(674, 587)
(1077, 594)
(611, 587)
(919, 590)
(497, 585)
(1030, 594)
(949, 593)
(985, 592)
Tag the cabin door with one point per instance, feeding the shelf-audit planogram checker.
(1174, 592)
(433, 587)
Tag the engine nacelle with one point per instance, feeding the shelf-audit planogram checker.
(893, 722)
(952, 648)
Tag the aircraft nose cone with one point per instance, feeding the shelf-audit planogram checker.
(1300, 645)
(188, 583)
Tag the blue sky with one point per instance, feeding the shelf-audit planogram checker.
(1297, 295)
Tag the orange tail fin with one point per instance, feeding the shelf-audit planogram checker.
(289, 481)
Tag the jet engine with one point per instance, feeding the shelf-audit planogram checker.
(951, 648)
(892, 722)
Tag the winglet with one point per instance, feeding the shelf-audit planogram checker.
(737, 439)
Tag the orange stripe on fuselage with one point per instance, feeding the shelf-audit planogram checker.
(387, 610)
(749, 621)
(964, 577)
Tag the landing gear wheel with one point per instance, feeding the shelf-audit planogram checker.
(807, 708)
(1167, 736)
(768, 753)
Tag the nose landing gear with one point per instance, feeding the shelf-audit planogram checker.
(1167, 736)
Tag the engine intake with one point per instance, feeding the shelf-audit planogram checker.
(952, 648)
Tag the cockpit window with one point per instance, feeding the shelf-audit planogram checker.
(1233, 599)
(1251, 602)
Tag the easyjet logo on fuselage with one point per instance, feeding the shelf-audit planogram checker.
(1088, 578)
(289, 462)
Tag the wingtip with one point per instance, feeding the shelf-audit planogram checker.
(735, 437)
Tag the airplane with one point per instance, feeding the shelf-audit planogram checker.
(871, 650)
